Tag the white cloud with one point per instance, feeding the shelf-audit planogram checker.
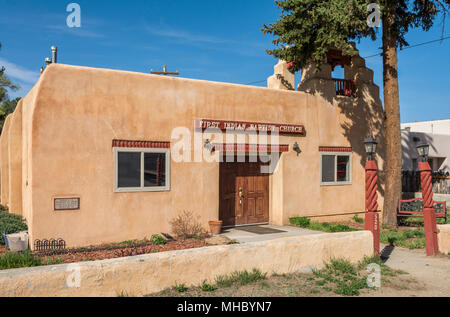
(20, 73)
(183, 35)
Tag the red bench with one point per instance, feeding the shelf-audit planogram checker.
(414, 208)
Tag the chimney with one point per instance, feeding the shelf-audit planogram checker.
(54, 54)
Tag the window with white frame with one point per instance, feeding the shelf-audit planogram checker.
(141, 169)
(336, 168)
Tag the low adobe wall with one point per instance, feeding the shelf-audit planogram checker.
(444, 238)
(151, 273)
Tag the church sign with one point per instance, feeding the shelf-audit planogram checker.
(241, 126)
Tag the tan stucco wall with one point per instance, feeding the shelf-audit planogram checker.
(15, 161)
(4, 161)
(150, 273)
(72, 115)
(444, 238)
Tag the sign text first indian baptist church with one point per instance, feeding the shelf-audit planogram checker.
(229, 126)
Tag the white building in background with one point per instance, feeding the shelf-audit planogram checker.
(432, 127)
(436, 134)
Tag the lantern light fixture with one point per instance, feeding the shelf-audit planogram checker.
(370, 145)
(296, 148)
(423, 149)
(209, 146)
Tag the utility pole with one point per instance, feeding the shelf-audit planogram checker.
(164, 72)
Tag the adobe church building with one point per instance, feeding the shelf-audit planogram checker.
(94, 156)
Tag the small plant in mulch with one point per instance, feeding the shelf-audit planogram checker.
(156, 239)
(208, 287)
(180, 288)
(187, 226)
(128, 242)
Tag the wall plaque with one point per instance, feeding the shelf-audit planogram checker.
(67, 203)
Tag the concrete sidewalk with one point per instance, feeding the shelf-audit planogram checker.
(288, 231)
(432, 273)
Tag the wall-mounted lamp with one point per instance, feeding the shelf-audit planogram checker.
(296, 148)
(209, 146)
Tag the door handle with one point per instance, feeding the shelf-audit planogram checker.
(241, 195)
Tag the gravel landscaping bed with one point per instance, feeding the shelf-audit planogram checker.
(117, 251)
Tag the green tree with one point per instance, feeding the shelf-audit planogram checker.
(7, 105)
(308, 28)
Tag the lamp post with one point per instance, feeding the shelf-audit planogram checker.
(372, 220)
(429, 215)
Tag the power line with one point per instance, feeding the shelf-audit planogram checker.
(256, 82)
(415, 45)
(379, 54)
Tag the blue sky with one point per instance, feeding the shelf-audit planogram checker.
(212, 40)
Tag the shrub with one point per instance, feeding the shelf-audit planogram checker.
(21, 259)
(10, 223)
(343, 275)
(300, 221)
(157, 239)
(186, 226)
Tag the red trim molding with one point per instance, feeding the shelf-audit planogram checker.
(251, 148)
(141, 144)
(335, 149)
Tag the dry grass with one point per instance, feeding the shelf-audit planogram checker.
(337, 278)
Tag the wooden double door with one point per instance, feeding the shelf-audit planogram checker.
(244, 194)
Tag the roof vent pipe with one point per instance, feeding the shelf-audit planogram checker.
(54, 54)
(48, 61)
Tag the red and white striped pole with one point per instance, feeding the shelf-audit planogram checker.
(429, 215)
(372, 220)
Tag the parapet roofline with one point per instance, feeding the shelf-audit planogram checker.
(169, 78)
